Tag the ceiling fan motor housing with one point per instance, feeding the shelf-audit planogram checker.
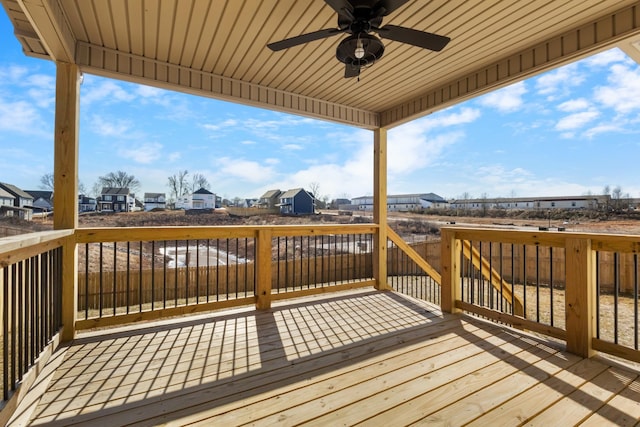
(373, 49)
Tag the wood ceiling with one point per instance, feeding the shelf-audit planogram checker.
(218, 49)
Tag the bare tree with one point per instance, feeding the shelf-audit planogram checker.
(178, 185)
(46, 181)
(119, 179)
(199, 181)
(616, 198)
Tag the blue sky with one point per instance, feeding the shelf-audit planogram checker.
(567, 132)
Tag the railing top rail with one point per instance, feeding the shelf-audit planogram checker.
(602, 242)
(123, 234)
(22, 246)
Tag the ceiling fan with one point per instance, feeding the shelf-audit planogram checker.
(361, 18)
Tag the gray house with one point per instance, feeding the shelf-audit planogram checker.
(87, 204)
(42, 200)
(270, 199)
(296, 202)
(22, 202)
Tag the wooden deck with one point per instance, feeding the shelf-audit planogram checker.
(376, 358)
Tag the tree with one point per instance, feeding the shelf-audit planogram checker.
(178, 184)
(119, 179)
(46, 181)
(199, 181)
(616, 198)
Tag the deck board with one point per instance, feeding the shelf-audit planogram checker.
(376, 358)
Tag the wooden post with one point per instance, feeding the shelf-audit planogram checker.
(580, 296)
(263, 273)
(65, 181)
(450, 267)
(380, 208)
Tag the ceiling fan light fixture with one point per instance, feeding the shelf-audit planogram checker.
(359, 52)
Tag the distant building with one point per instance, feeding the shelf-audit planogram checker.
(200, 199)
(532, 203)
(114, 199)
(154, 201)
(269, 200)
(42, 200)
(403, 202)
(296, 202)
(87, 204)
(22, 202)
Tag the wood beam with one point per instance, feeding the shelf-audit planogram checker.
(580, 296)
(450, 247)
(65, 184)
(380, 208)
(138, 69)
(263, 274)
(65, 167)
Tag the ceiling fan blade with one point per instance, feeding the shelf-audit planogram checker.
(351, 70)
(388, 6)
(414, 37)
(303, 38)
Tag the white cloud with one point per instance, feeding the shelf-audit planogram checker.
(606, 58)
(603, 128)
(106, 92)
(225, 124)
(272, 161)
(448, 117)
(576, 120)
(247, 142)
(292, 147)
(558, 83)
(176, 155)
(623, 92)
(507, 99)
(21, 117)
(111, 128)
(574, 105)
(145, 153)
(246, 170)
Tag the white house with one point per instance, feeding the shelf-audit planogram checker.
(200, 199)
(154, 201)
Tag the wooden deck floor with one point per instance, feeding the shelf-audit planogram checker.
(371, 358)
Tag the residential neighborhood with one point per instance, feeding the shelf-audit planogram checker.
(26, 204)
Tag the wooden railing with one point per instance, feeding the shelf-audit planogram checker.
(580, 288)
(409, 271)
(31, 298)
(147, 273)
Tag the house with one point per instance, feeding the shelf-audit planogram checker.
(154, 201)
(200, 199)
(116, 199)
(6, 203)
(87, 204)
(269, 200)
(42, 200)
(402, 202)
(203, 199)
(22, 202)
(296, 202)
(340, 204)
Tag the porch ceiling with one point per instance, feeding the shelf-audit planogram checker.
(218, 49)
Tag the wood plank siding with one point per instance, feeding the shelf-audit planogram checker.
(360, 357)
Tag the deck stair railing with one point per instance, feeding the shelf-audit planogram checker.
(579, 288)
(409, 272)
(481, 266)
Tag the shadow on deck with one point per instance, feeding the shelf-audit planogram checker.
(379, 358)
